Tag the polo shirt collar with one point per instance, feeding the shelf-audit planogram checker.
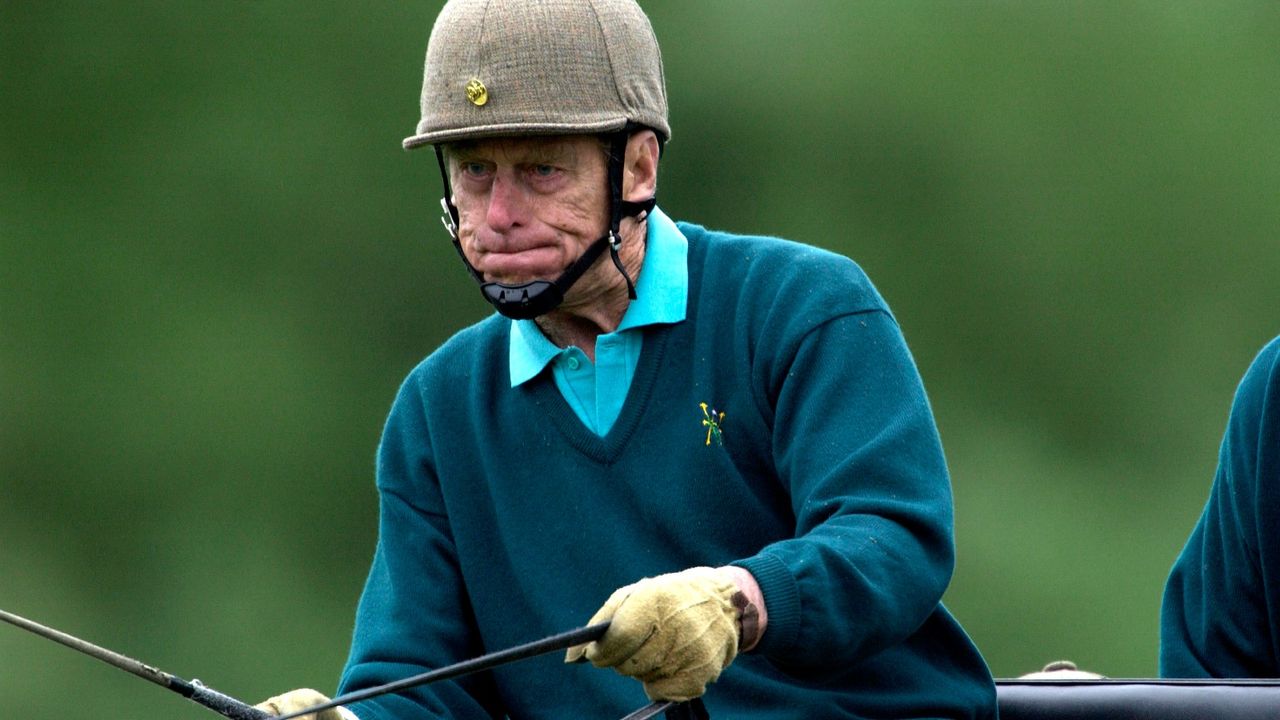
(662, 293)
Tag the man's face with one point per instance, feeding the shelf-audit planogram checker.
(528, 207)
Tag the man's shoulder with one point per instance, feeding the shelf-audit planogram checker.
(770, 252)
(782, 267)
(1268, 359)
(1263, 376)
(1258, 394)
(466, 351)
(1250, 451)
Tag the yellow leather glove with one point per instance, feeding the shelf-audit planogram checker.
(299, 700)
(675, 633)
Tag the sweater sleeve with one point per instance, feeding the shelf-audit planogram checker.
(1219, 616)
(413, 615)
(857, 448)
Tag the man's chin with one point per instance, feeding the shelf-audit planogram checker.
(524, 276)
(517, 281)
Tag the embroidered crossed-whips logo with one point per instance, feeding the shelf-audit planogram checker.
(713, 421)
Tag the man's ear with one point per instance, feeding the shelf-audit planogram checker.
(640, 167)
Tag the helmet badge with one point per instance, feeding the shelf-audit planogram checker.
(477, 93)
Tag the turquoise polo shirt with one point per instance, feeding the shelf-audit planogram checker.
(596, 391)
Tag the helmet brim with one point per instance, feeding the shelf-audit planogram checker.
(475, 132)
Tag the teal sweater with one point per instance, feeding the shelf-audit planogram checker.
(504, 519)
(1221, 610)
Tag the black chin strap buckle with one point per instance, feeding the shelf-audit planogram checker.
(525, 301)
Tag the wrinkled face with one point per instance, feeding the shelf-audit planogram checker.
(528, 207)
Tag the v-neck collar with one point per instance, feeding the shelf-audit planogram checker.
(608, 448)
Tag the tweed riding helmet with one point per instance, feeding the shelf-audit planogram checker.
(503, 68)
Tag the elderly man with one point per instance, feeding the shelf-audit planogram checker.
(722, 438)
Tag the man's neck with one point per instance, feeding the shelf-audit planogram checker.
(602, 299)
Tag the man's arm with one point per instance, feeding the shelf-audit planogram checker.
(856, 445)
(1218, 617)
(413, 615)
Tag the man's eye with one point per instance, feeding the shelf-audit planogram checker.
(474, 168)
(544, 170)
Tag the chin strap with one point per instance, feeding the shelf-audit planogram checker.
(524, 301)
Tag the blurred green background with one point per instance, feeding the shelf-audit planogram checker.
(217, 264)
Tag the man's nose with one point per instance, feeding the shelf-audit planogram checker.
(508, 204)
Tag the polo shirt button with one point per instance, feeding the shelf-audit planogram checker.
(573, 363)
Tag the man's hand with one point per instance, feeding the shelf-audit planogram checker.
(675, 633)
(299, 700)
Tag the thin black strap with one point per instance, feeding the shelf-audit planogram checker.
(689, 710)
(466, 667)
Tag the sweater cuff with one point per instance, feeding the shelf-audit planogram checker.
(781, 600)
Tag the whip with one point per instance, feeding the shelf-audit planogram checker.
(491, 660)
(193, 690)
(691, 710)
(234, 709)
